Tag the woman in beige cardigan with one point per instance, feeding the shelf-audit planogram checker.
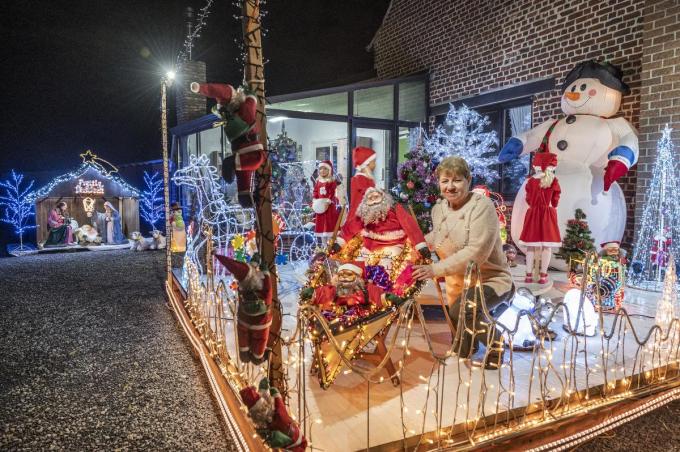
(465, 228)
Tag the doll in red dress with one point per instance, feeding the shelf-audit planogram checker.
(325, 204)
(541, 232)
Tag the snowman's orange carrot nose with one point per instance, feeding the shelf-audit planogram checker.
(572, 95)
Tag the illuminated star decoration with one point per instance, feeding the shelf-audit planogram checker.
(90, 161)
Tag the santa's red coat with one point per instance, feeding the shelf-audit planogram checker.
(398, 226)
(324, 223)
(358, 186)
(253, 331)
(540, 223)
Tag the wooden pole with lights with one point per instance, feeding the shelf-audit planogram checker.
(254, 79)
(166, 81)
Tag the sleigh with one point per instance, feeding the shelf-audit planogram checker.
(339, 337)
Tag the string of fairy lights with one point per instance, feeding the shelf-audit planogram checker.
(197, 27)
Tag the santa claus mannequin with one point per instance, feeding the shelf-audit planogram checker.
(268, 411)
(254, 308)
(364, 162)
(384, 227)
(348, 289)
(325, 203)
(594, 146)
(238, 109)
(541, 231)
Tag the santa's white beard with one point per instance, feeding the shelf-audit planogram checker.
(263, 411)
(374, 213)
(254, 281)
(344, 289)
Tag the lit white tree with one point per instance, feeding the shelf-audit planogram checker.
(152, 199)
(659, 233)
(17, 209)
(464, 134)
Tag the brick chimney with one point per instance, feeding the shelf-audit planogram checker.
(190, 105)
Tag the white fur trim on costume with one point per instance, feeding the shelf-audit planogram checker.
(264, 326)
(340, 241)
(543, 244)
(323, 234)
(366, 162)
(384, 237)
(421, 245)
(320, 205)
(351, 267)
(326, 165)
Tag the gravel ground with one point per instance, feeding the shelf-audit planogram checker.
(92, 359)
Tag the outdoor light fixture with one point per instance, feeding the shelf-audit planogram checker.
(170, 75)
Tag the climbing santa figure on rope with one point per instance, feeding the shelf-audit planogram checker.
(595, 147)
(325, 203)
(254, 310)
(237, 108)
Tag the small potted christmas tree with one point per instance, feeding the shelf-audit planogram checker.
(576, 242)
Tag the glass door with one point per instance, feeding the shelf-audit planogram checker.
(378, 138)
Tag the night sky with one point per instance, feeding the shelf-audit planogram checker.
(85, 74)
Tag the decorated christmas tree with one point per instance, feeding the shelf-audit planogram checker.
(577, 240)
(659, 231)
(282, 150)
(464, 134)
(417, 185)
(17, 209)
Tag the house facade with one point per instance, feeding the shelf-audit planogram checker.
(508, 57)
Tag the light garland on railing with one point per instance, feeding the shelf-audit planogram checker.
(90, 161)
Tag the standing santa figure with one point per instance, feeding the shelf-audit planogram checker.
(364, 162)
(541, 232)
(594, 146)
(325, 203)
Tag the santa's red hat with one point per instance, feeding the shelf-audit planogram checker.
(544, 160)
(362, 156)
(238, 269)
(327, 164)
(482, 190)
(249, 396)
(604, 244)
(356, 267)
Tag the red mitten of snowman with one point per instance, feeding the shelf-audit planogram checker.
(621, 158)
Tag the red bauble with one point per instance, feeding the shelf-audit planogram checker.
(410, 185)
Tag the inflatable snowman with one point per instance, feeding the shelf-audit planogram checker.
(594, 148)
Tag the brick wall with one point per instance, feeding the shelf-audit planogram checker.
(660, 86)
(190, 105)
(472, 47)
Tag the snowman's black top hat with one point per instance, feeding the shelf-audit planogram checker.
(608, 74)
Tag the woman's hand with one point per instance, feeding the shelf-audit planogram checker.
(423, 272)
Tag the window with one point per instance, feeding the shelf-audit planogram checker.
(507, 120)
(375, 102)
(330, 104)
(412, 101)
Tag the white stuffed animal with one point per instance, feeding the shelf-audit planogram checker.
(139, 243)
(157, 240)
(587, 319)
